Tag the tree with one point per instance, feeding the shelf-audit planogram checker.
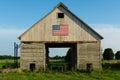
(117, 55)
(108, 54)
(56, 57)
(68, 57)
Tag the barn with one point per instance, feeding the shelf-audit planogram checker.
(60, 28)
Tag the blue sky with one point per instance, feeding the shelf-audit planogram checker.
(16, 16)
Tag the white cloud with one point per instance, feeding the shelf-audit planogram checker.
(111, 34)
(7, 38)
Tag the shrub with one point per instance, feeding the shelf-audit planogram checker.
(108, 54)
(117, 55)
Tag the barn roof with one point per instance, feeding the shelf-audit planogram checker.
(65, 7)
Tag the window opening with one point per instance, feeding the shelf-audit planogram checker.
(60, 15)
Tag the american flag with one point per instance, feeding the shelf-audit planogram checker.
(60, 30)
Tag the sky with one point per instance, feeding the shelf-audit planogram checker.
(16, 16)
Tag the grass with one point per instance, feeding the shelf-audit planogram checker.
(104, 75)
(111, 73)
(5, 62)
(110, 61)
(57, 61)
(57, 65)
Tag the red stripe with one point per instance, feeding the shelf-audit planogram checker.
(62, 32)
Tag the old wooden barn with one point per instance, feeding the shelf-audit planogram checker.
(60, 28)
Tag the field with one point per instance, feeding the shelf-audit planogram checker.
(105, 75)
(108, 73)
(5, 62)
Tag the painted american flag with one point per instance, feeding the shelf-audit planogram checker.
(60, 30)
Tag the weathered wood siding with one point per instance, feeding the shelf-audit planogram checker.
(32, 53)
(89, 53)
(42, 31)
(33, 49)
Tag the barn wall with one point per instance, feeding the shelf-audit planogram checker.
(32, 53)
(33, 41)
(89, 53)
(42, 31)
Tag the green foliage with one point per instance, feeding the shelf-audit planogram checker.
(111, 64)
(58, 65)
(68, 57)
(7, 57)
(106, 74)
(108, 54)
(94, 75)
(57, 57)
(5, 63)
(117, 55)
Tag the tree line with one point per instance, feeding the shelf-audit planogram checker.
(57, 57)
(7, 57)
(109, 55)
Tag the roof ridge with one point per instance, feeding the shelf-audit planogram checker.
(61, 4)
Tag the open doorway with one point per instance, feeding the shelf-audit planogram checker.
(61, 56)
(57, 58)
(32, 67)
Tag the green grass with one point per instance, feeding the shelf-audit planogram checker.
(106, 74)
(5, 62)
(56, 61)
(57, 65)
(110, 61)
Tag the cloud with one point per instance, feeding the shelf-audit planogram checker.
(111, 34)
(8, 37)
(10, 31)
